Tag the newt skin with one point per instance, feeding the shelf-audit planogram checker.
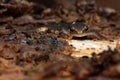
(74, 29)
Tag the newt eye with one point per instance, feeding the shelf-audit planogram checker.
(85, 29)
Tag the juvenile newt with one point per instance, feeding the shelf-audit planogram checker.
(74, 29)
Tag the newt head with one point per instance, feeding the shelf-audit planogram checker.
(78, 27)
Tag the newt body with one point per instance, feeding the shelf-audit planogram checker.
(74, 29)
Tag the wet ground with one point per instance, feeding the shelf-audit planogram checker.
(28, 52)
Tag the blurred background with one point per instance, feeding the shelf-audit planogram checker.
(111, 3)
